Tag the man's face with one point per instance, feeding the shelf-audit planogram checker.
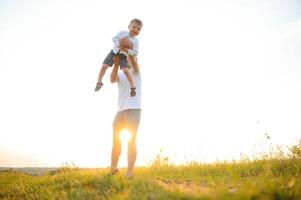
(134, 29)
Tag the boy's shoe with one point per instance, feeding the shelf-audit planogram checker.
(133, 92)
(98, 86)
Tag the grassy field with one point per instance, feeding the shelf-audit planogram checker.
(273, 176)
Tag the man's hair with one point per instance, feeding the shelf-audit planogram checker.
(137, 21)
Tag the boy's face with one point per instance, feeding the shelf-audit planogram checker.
(134, 29)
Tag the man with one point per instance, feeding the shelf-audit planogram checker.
(128, 115)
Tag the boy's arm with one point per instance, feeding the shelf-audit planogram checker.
(125, 45)
(125, 42)
(114, 72)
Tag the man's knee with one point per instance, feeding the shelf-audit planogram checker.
(132, 142)
(132, 139)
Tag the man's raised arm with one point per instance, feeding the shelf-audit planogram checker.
(114, 72)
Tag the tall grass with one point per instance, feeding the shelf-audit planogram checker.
(274, 175)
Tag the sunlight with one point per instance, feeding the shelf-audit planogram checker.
(125, 135)
(246, 69)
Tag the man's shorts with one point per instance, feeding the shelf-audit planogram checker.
(109, 60)
(127, 119)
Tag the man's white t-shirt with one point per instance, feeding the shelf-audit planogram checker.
(125, 101)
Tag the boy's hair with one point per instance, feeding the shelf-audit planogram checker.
(137, 21)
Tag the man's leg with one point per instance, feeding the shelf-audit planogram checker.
(116, 147)
(116, 150)
(132, 154)
(132, 123)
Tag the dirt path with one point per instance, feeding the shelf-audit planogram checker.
(186, 187)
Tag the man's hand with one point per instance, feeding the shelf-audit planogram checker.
(116, 60)
(124, 42)
(114, 72)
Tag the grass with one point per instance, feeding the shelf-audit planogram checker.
(275, 176)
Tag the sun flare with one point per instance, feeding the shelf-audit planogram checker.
(125, 135)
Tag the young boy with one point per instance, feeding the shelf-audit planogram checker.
(122, 48)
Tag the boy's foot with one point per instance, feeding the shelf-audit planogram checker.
(98, 86)
(133, 92)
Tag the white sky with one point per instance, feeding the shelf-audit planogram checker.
(217, 76)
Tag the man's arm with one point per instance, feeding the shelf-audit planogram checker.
(114, 72)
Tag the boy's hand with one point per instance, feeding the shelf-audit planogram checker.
(124, 42)
(116, 60)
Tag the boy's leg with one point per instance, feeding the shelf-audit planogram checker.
(127, 73)
(124, 67)
(102, 72)
(108, 62)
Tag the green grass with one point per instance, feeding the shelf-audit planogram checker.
(276, 176)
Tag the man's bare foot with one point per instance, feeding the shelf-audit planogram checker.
(129, 175)
(113, 172)
(98, 86)
(133, 92)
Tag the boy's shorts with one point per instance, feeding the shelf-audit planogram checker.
(109, 60)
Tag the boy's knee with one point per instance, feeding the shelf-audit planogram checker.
(104, 67)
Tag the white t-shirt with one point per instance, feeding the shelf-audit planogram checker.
(125, 101)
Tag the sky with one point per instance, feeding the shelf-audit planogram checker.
(217, 77)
